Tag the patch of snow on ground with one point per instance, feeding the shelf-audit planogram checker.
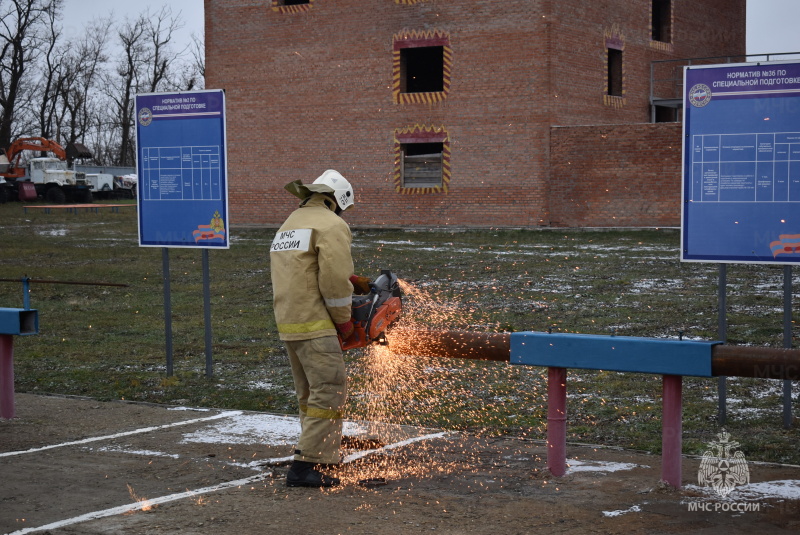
(599, 466)
(245, 428)
(648, 285)
(257, 428)
(787, 489)
(632, 509)
(261, 385)
(54, 232)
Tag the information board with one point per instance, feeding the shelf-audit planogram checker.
(741, 163)
(181, 163)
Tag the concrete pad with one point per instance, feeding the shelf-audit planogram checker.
(64, 457)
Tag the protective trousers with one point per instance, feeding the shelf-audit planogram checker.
(320, 380)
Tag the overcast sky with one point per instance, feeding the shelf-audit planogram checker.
(78, 12)
(772, 25)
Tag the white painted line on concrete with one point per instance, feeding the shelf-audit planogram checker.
(359, 454)
(137, 506)
(143, 453)
(227, 414)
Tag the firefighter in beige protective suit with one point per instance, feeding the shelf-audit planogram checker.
(313, 284)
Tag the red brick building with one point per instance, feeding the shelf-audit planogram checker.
(469, 113)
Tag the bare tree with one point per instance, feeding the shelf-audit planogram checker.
(194, 73)
(21, 29)
(160, 33)
(128, 74)
(79, 97)
(188, 69)
(144, 66)
(103, 137)
(68, 90)
(51, 73)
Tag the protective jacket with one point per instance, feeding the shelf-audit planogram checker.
(310, 263)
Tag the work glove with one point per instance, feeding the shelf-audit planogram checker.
(345, 329)
(360, 284)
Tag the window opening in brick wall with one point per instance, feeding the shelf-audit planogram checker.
(291, 6)
(614, 72)
(422, 69)
(422, 160)
(664, 114)
(421, 165)
(421, 66)
(661, 20)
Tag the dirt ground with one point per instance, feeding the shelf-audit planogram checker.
(71, 465)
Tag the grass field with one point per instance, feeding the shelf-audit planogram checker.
(108, 342)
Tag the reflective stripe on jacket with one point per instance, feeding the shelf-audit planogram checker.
(311, 263)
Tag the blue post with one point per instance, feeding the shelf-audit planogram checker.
(722, 334)
(787, 343)
(26, 293)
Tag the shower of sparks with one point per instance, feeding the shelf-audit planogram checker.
(392, 386)
(146, 505)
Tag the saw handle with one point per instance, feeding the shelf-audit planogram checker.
(357, 339)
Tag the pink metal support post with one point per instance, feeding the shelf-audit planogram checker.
(557, 421)
(671, 430)
(6, 376)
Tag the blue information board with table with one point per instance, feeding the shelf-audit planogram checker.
(741, 163)
(181, 163)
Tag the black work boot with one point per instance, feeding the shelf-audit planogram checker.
(304, 474)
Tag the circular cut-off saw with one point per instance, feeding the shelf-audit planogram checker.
(375, 312)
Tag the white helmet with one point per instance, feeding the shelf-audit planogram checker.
(328, 182)
(333, 182)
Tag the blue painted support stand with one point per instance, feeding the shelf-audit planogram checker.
(557, 421)
(13, 321)
(6, 376)
(672, 429)
(668, 357)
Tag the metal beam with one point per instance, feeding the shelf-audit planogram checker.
(733, 361)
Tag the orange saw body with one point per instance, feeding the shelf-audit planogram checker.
(375, 312)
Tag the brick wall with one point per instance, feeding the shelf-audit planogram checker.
(582, 30)
(616, 175)
(312, 90)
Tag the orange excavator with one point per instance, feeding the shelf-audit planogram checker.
(10, 168)
(48, 177)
